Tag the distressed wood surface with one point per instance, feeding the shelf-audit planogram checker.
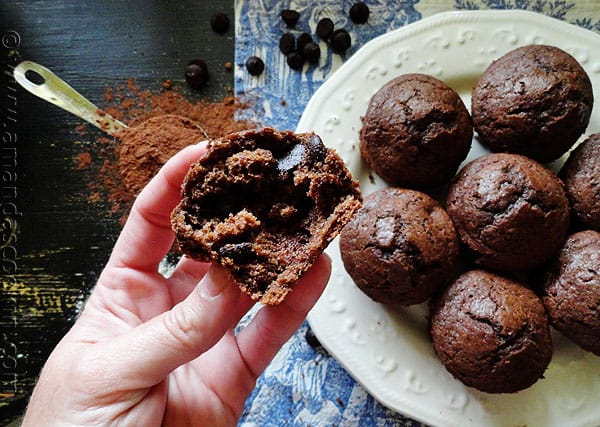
(54, 242)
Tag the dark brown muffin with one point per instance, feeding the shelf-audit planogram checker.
(509, 210)
(264, 204)
(491, 333)
(416, 131)
(581, 175)
(571, 292)
(535, 100)
(401, 247)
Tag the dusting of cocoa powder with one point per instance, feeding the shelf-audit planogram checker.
(160, 124)
(143, 149)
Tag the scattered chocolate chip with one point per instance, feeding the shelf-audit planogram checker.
(196, 73)
(228, 66)
(219, 22)
(295, 60)
(340, 40)
(238, 252)
(287, 43)
(311, 52)
(324, 28)
(255, 65)
(303, 40)
(311, 339)
(359, 13)
(290, 17)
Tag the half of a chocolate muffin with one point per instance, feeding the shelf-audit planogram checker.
(264, 204)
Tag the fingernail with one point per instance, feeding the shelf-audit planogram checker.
(214, 282)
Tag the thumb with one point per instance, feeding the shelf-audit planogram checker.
(155, 348)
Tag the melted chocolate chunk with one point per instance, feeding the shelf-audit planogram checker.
(292, 159)
(317, 150)
(238, 252)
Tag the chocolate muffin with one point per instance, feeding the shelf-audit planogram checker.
(401, 247)
(581, 175)
(264, 204)
(571, 290)
(536, 100)
(509, 211)
(416, 132)
(491, 333)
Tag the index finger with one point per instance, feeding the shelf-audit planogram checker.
(147, 235)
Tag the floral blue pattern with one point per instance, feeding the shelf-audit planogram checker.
(283, 92)
(304, 386)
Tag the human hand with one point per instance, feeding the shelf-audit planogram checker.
(149, 350)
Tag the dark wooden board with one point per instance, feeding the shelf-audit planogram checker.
(54, 241)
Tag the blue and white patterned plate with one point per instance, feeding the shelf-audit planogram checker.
(387, 349)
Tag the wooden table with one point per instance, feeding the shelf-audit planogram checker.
(54, 241)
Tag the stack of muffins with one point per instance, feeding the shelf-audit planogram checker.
(513, 248)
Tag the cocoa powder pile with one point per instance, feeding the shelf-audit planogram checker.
(160, 125)
(146, 147)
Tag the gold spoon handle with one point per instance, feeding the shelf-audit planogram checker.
(51, 88)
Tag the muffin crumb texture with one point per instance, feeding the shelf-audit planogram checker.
(264, 204)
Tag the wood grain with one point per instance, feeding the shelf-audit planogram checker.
(54, 242)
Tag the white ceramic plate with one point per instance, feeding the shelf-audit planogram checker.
(387, 349)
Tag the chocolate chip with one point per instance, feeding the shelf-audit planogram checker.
(340, 41)
(287, 43)
(359, 13)
(324, 28)
(292, 159)
(219, 22)
(303, 40)
(290, 17)
(314, 151)
(255, 65)
(295, 60)
(311, 52)
(317, 150)
(196, 73)
(238, 252)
